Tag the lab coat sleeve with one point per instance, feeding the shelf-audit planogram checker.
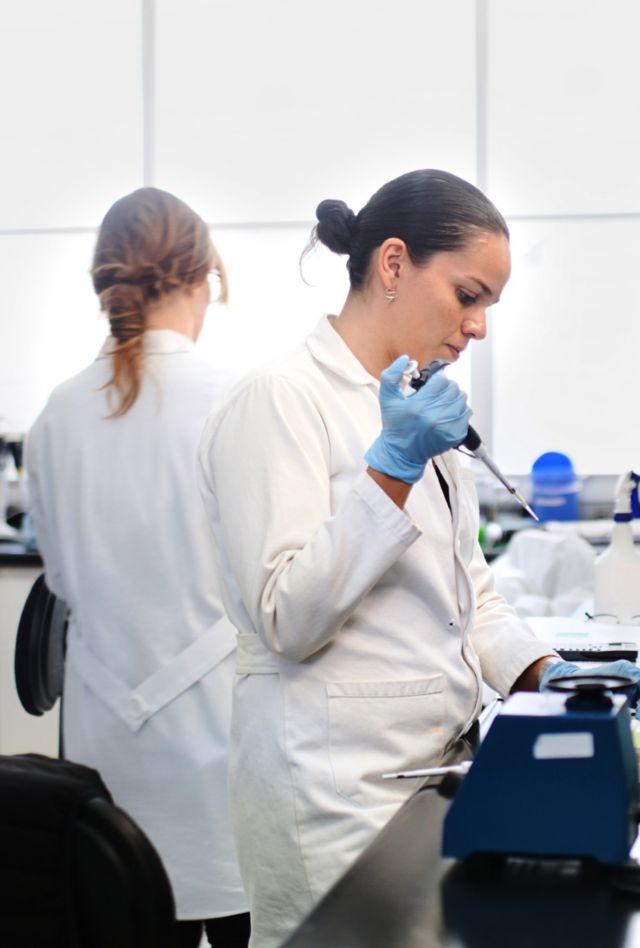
(295, 568)
(503, 642)
(44, 533)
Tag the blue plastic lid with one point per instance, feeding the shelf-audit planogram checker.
(553, 467)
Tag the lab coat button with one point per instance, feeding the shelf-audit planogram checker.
(137, 706)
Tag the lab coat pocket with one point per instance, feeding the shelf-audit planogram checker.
(378, 726)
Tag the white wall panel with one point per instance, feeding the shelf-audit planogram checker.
(264, 109)
(51, 326)
(70, 74)
(271, 308)
(565, 347)
(261, 110)
(563, 106)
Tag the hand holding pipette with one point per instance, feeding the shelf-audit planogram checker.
(418, 428)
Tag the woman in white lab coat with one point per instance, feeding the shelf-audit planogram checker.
(365, 610)
(125, 541)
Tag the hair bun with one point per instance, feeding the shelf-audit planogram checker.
(150, 277)
(107, 275)
(336, 225)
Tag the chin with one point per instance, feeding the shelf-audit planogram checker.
(428, 357)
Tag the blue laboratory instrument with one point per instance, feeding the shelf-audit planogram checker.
(555, 777)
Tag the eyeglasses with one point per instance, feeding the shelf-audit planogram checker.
(612, 619)
(215, 286)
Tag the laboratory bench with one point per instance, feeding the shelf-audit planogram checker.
(501, 516)
(401, 893)
(14, 553)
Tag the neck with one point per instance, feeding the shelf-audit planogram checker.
(175, 311)
(363, 325)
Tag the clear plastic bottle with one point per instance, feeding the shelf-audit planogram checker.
(617, 569)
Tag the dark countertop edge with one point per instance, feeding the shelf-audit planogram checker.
(15, 554)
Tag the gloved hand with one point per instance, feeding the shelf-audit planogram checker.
(621, 667)
(416, 427)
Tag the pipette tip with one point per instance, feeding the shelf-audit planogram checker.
(518, 496)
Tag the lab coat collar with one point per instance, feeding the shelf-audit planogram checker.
(329, 348)
(156, 341)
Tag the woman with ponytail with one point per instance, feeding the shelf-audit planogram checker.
(125, 542)
(347, 529)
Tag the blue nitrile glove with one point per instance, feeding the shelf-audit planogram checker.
(621, 667)
(416, 427)
(557, 671)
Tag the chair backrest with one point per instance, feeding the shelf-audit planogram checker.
(123, 894)
(75, 870)
(40, 647)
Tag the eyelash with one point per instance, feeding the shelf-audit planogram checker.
(466, 298)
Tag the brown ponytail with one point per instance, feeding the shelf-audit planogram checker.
(149, 244)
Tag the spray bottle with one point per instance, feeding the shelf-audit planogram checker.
(617, 570)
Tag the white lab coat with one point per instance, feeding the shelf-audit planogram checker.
(150, 655)
(364, 631)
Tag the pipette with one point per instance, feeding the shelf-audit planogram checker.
(472, 441)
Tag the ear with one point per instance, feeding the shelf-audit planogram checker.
(193, 289)
(392, 254)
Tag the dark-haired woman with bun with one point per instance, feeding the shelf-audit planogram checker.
(125, 541)
(346, 530)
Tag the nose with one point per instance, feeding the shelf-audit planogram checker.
(475, 326)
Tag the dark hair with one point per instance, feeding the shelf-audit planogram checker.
(429, 210)
(149, 244)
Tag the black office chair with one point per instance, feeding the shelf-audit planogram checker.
(75, 870)
(40, 650)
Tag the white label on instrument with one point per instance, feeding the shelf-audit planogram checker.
(569, 745)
